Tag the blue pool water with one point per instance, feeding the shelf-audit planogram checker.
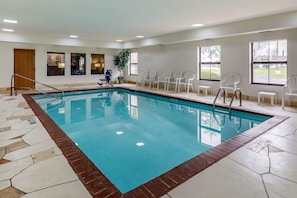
(134, 137)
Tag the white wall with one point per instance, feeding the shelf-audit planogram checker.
(180, 56)
(234, 58)
(7, 63)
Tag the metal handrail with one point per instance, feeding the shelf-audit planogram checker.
(234, 95)
(214, 102)
(29, 79)
(224, 97)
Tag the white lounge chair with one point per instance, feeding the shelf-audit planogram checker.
(230, 82)
(163, 79)
(174, 80)
(140, 78)
(150, 78)
(291, 87)
(187, 81)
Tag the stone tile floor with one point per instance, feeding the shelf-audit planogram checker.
(31, 164)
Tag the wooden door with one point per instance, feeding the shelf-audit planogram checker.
(24, 64)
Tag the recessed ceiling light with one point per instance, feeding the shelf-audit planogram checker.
(197, 25)
(73, 36)
(10, 21)
(119, 40)
(139, 36)
(7, 30)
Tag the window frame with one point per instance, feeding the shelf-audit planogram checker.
(252, 62)
(130, 64)
(200, 63)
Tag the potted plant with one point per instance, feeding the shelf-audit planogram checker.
(121, 61)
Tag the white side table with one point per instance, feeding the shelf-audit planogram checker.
(263, 94)
(205, 89)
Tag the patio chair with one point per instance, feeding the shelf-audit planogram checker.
(163, 79)
(291, 87)
(187, 81)
(140, 78)
(150, 78)
(230, 82)
(174, 80)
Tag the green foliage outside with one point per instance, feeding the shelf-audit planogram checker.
(213, 74)
(281, 71)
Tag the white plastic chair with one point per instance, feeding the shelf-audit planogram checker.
(187, 81)
(140, 78)
(163, 79)
(230, 82)
(291, 87)
(150, 78)
(174, 80)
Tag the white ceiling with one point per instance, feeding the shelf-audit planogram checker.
(109, 20)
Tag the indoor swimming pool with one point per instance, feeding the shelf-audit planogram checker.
(134, 137)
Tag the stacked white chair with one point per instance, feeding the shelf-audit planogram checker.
(163, 79)
(149, 79)
(174, 80)
(140, 78)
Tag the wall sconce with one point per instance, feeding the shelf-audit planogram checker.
(61, 65)
(97, 65)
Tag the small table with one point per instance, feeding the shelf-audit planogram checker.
(205, 88)
(263, 94)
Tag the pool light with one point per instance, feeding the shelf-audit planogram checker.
(119, 132)
(139, 144)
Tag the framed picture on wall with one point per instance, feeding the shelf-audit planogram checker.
(78, 64)
(55, 64)
(97, 64)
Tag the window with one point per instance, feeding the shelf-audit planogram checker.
(210, 62)
(269, 62)
(133, 66)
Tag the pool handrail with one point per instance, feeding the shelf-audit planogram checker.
(12, 87)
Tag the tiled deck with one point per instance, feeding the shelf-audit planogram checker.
(32, 165)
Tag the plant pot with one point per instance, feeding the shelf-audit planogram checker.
(120, 81)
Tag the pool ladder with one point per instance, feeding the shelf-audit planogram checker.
(236, 91)
(220, 117)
